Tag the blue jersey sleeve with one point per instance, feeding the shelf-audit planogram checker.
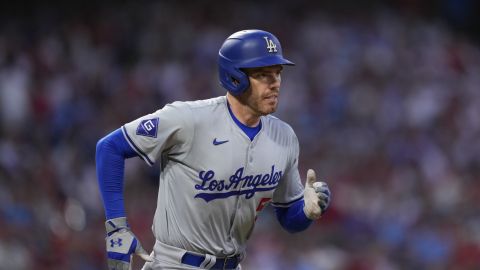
(111, 152)
(293, 218)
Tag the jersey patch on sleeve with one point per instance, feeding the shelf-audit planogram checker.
(148, 128)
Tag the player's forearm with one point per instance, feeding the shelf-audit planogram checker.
(293, 218)
(111, 152)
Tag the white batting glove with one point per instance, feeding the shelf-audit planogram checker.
(122, 244)
(316, 196)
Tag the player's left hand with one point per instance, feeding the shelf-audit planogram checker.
(122, 244)
(316, 196)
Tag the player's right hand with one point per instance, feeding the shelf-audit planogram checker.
(122, 244)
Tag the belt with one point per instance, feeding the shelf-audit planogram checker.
(230, 262)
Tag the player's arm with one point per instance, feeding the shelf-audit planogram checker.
(300, 214)
(294, 211)
(169, 131)
(293, 218)
(112, 150)
(121, 243)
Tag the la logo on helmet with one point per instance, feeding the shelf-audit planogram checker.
(272, 47)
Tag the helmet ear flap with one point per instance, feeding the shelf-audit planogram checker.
(233, 79)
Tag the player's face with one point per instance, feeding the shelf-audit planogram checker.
(262, 96)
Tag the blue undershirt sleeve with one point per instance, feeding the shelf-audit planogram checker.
(292, 218)
(111, 152)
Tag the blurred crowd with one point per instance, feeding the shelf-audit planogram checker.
(386, 108)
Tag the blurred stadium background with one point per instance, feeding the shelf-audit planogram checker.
(385, 100)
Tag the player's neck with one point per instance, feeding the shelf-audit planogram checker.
(243, 112)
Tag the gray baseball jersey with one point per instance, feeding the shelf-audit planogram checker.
(214, 180)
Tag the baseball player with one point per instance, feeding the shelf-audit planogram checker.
(222, 161)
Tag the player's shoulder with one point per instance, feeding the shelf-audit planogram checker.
(194, 106)
(277, 128)
(277, 123)
(200, 104)
(207, 103)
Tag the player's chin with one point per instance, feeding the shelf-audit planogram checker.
(269, 108)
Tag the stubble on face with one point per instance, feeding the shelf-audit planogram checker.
(261, 104)
(261, 98)
(263, 94)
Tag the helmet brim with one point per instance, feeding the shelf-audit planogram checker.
(265, 62)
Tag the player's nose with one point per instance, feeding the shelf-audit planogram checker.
(275, 82)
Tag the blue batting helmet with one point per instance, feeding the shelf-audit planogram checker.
(247, 49)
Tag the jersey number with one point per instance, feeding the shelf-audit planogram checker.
(263, 202)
